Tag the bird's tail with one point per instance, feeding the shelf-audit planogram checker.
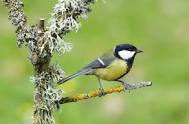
(82, 72)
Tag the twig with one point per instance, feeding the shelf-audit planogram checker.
(24, 33)
(96, 93)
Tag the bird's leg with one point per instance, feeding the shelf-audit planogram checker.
(101, 88)
(126, 85)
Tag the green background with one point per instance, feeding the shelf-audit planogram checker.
(159, 27)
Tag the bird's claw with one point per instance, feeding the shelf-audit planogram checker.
(101, 92)
(128, 87)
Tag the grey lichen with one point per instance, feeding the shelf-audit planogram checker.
(42, 43)
(47, 94)
(64, 19)
(18, 19)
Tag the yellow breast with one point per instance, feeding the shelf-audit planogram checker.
(115, 70)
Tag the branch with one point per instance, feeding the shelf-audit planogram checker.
(16, 14)
(64, 19)
(96, 93)
(42, 42)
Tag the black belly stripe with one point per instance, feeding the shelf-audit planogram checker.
(129, 64)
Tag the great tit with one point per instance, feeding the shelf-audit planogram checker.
(111, 66)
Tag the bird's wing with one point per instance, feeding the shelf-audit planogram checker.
(101, 62)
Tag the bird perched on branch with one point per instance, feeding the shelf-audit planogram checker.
(111, 66)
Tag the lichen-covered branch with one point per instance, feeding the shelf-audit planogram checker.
(17, 17)
(42, 42)
(16, 13)
(46, 95)
(97, 93)
(65, 18)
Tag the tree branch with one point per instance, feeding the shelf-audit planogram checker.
(64, 19)
(42, 43)
(16, 14)
(96, 93)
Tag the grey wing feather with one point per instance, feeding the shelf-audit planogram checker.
(100, 62)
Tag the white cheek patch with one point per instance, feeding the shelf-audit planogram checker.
(125, 54)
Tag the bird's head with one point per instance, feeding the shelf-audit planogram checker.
(126, 51)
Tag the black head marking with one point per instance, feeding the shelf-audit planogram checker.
(121, 47)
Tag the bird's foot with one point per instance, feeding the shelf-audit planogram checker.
(101, 92)
(128, 87)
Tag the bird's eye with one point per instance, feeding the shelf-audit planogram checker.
(129, 49)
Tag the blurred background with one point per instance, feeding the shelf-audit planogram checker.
(159, 27)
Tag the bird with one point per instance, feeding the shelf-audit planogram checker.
(111, 66)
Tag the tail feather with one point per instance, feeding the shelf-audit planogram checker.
(82, 72)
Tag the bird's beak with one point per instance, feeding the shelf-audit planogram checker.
(139, 51)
